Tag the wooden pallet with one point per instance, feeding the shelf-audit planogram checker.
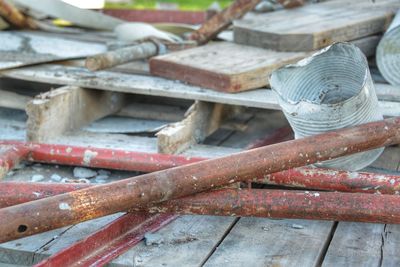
(145, 85)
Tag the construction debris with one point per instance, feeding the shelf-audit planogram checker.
(185, 180)
(116, 162)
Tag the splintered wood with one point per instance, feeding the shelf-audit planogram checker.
(315, 26)
(68, 108)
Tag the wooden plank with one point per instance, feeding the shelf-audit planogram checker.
(186, 242)
(203, 118)
(74, 234)
(230, 67)
(264, 242)
(222, 66)
(355, 244)
(21, 48)
(13, 100)
(68, 108)
(314, 26)
(23, 251)
(391, 245)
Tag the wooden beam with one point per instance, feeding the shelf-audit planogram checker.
(68, 108)
(13, 100)
(202, 119)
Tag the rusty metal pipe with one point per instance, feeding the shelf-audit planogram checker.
(10, 156)
(312, 205)
(121, 56)
(13, 193)
(222, 20)
(85, 204)
(101, 157)
(334, 180)
(109, 242)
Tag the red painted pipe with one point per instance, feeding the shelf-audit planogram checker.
(335, 180)
(333, 206)
(13, 193)
(102, 157)
(11, 156)
(85, 204)
(109, 242)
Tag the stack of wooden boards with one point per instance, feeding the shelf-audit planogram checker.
(264, 42)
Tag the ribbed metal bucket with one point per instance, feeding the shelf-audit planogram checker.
(330, 90)
(388, 52)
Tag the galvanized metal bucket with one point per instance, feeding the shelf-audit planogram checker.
(388, 52)
(330, 90)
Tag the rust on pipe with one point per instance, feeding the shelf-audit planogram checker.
(334, 180)
(85, 204)
(121, 56)
(109, 242)
(291, 3)
(10, 156)
(13, 193)
(222, 20)
(14, 16)
(261, 203)
(101, 157)
(290, 204)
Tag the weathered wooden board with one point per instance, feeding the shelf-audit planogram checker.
(230, 67)
(263, 242)
(26, 48)
(188, 241)
(202, 119)
(355, 244)
(222, 66)
(314, 26)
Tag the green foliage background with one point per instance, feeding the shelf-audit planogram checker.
(193, 5)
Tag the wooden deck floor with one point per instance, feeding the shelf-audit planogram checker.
(218, 241)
